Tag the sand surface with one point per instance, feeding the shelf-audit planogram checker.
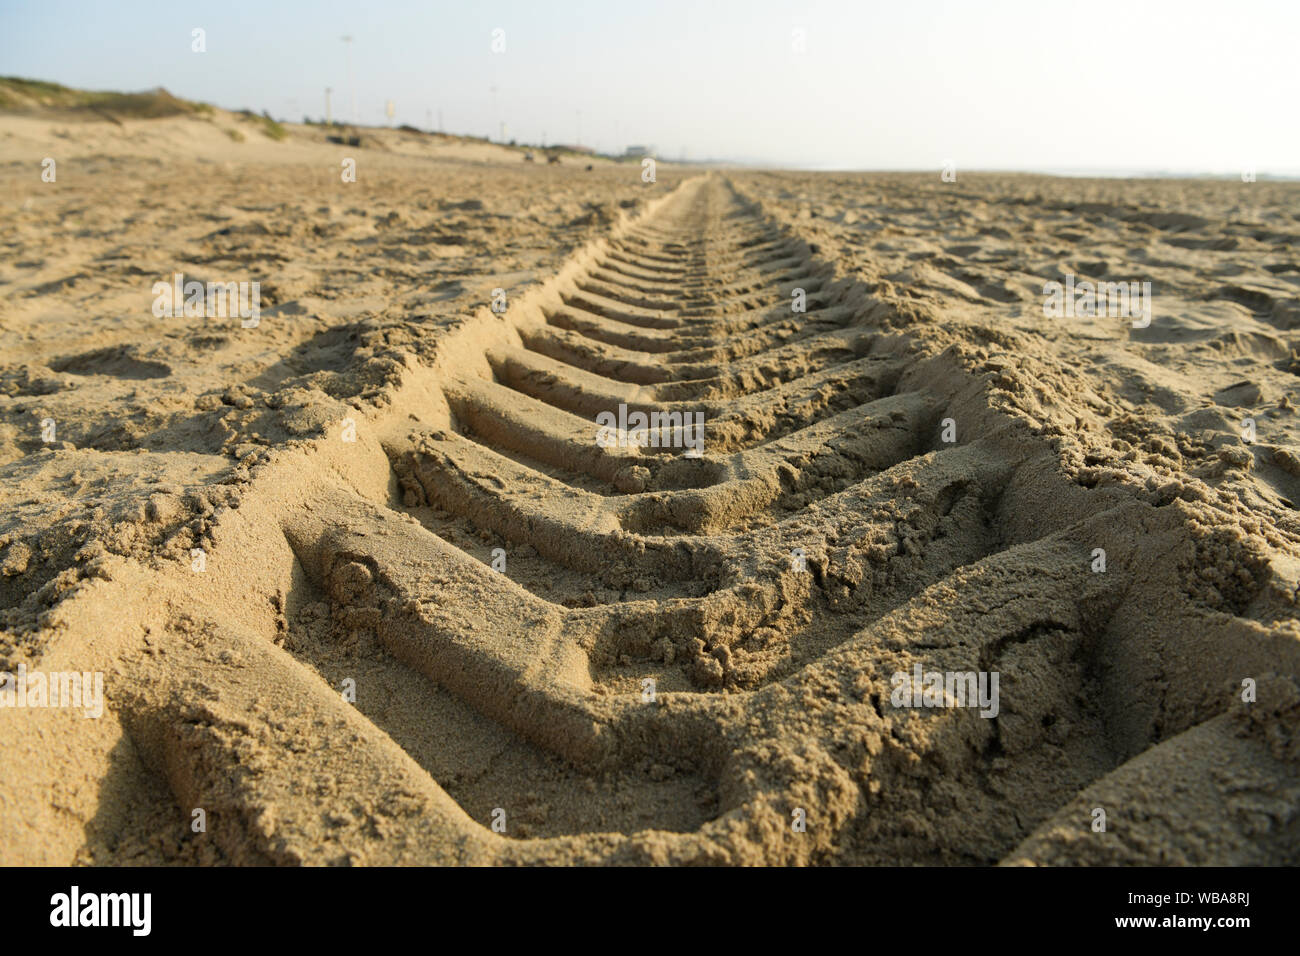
(398, 492)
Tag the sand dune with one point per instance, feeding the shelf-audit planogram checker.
(563, 650)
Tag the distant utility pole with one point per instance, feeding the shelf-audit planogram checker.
(439, 121)
(328, 114)
(579, 142)
(494, 102)
(356, 117)
(428, 119)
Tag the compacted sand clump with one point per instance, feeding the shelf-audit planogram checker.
(367, 584)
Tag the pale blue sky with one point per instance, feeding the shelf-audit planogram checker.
(1039, 84)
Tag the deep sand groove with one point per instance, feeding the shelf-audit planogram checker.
(521, 689)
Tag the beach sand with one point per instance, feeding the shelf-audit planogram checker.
(365, 588)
